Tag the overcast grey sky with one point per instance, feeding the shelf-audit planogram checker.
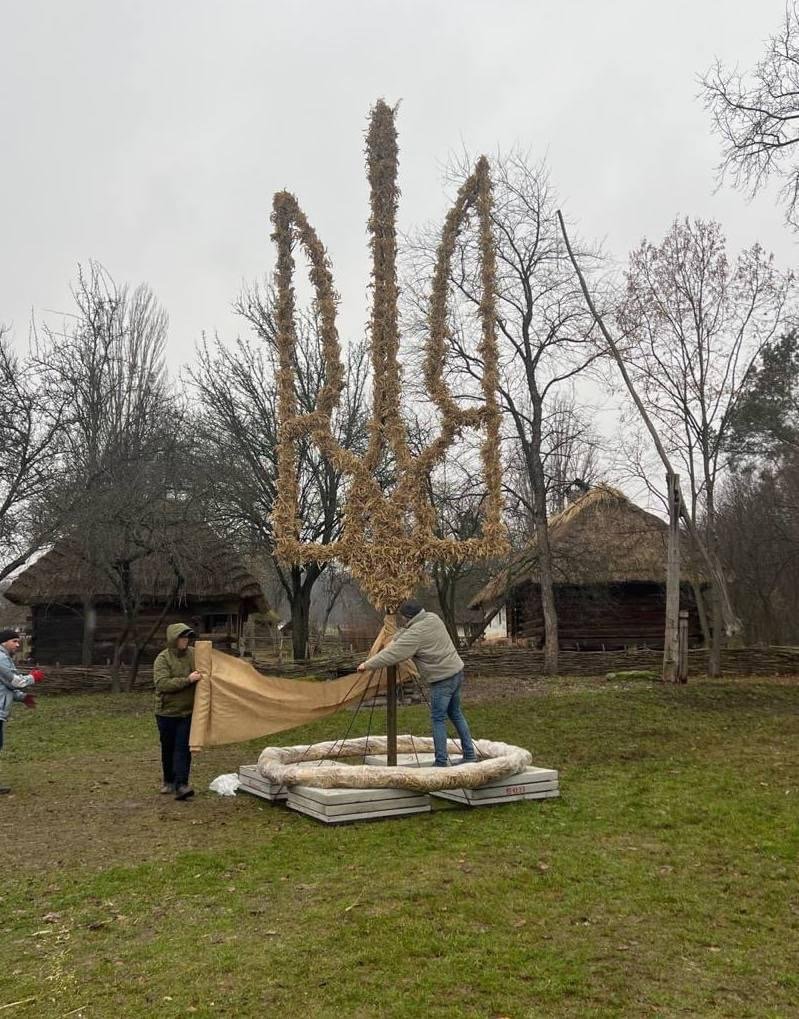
(151, 135)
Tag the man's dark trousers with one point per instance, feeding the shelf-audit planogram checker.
(175, 753)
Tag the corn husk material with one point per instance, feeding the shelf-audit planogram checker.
(320, 765)
(388, 537)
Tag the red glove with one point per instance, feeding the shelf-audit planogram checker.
(29, 700)
(37, 675)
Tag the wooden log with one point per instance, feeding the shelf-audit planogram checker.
(391, 715)
(671, 636)
(682, 664)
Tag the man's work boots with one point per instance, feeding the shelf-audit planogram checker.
(184, 792)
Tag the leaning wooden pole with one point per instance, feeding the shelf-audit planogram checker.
(671, 639)
(731, 622)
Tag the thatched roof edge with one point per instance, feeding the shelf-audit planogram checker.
(65, 576)
(623, 544)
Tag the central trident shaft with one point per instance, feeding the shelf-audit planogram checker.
(388, 536)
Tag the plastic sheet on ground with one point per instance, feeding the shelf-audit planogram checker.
(225, 785)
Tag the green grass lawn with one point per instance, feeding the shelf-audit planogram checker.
(663, 882)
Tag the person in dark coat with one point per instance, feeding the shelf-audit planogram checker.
(175, 678)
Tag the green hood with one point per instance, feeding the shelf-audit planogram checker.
(175, 630)
(174, 693)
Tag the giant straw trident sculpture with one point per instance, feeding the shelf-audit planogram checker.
(388, 537)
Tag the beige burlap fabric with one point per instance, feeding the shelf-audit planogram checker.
(234, 702)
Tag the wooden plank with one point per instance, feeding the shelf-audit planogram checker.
(335, 806)
(671, 636)
(252, 781)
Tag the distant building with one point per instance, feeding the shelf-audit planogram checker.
(76, 617)
(609, 566)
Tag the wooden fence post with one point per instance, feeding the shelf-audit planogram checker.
(671, 639)
(682, 665)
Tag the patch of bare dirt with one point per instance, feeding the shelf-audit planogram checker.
(71, 815)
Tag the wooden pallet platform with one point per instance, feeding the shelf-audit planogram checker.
(531, 784)
(337, 806)
(250, 781)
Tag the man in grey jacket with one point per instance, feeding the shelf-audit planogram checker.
(424, 638)
(13, 683)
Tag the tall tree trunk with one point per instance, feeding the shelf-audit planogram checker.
(718, 578)
(133, 669)
(89, 626)
(116, 661)
(134, 665)
(546, 583)
(551, 642)
(445, 589)
(300, 613)
(330, 604)
(717, 627)
(701, 611)
(452, 624)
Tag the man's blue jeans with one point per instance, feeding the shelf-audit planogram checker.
(445, 702)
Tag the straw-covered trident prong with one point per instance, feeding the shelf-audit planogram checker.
(387, 537)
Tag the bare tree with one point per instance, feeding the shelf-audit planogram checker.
(33, 420)
(542, 323)
(571, 450)
(694, 325)
(458, 500)
(757, 116)
(328, 591)
(236, 427)
(457, 492)
(123, 465)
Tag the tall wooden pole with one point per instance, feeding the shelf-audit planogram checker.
(391, 716)
(671, 640)
(682, 669)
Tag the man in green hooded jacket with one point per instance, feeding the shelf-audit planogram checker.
(174, 677)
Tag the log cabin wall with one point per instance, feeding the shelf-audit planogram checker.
(601, 617)
(57, 630)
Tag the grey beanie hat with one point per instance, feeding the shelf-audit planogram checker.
(410, 608)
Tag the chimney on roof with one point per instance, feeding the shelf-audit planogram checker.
(577, 488)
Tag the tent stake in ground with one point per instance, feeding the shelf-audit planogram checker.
(389, 535)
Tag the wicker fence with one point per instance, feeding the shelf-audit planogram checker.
(511, 661)
(504, 661)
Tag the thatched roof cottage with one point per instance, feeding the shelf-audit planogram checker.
(76, 616)
(609, 564)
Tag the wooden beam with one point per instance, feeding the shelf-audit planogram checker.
(671, 639)
(391, 716)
